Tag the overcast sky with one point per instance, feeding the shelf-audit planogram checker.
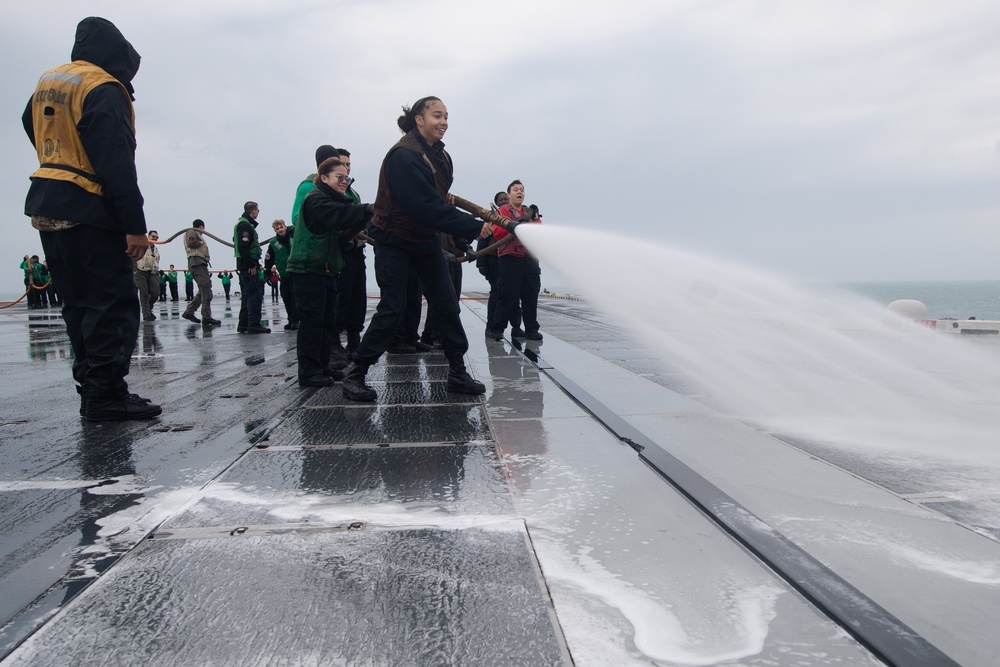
(832, 141)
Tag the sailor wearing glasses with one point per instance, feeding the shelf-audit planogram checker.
(315, 263)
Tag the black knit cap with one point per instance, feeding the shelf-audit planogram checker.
(325, 152)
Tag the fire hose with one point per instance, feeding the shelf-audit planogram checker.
(489, 216)
(464, 204)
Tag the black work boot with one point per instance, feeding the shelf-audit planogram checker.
(460, 381)
(354, 386)
(334, 372)
(316, 381)
(120, 408)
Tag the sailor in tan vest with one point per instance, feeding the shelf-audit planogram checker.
(85, 202)
(198, 263)
(147, 277)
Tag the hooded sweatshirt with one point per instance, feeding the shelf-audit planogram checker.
(107, 136)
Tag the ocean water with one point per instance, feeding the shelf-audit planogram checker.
(958, 299)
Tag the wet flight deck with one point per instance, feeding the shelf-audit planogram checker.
(595, 507)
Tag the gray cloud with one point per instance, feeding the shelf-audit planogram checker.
(834, 141)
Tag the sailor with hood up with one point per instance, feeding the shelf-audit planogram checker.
(84, 199)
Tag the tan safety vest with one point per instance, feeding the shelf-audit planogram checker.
(56, 109)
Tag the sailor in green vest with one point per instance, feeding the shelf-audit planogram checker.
(315, 262)
(246, 246)
(278, 251)
(32, 277)
(172, 283)
(227, 281)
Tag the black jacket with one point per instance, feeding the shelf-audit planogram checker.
(412, 183)
(333, 212)
(106, 133)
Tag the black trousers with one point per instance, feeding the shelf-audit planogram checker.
(41, 293)
(100, 304)
(520, 281)
(251, 300)
(172, 284)
(287, 287)
(316, 302)
(53, 294)
(430, 334)
(409, 325)
(34, 299)
(352, 305)
(491, 305)
(395, 259)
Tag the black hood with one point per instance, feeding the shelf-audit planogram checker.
(99, 42)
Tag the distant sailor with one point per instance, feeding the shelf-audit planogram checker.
(276, 258)
(198, 263)
(249, 270)
(84, 199)
(146, 272)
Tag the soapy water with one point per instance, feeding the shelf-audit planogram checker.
(830, 367)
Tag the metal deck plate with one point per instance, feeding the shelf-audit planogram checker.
(268, 486)
(396, 393)
(364, 424)
(421, 370)
(379, 597)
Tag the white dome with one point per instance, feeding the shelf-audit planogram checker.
(911, 308)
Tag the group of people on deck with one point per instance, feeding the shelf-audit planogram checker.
(85, 202)
(418, 235)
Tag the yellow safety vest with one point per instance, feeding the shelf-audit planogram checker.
(56, 109)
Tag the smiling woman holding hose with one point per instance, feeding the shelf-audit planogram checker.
(411, 208)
